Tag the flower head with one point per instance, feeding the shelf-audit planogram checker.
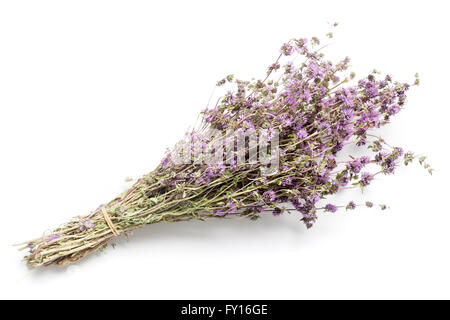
(269, 196)
(350, 206)
(287, 49)
(276, 212)
(366, 178)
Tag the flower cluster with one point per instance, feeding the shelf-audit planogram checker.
(316, 108)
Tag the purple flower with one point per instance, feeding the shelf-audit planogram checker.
(371, 90)
(369, 204)
(276, 212)
(269, 196)
(388, 166)
(306, 96)
(338, 147)
(219, 213)
(313, 68)
(313, 198)
(348, 113)
(286, 181)
(330, 208)
(366, 178)
(380, 156)
(330, 162)
(286, 120)
(291, 100)
(273, 66)
(394, 110)
(344, 180)
(286, 49)
(350, 206)
(301, 134)
(399, 151)
(231, 207)
(355, 166)
(364, 160)
(88, 224)
(85, 225)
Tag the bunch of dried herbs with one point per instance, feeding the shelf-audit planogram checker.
(268, 145)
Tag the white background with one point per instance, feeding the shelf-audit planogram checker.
(94, 91)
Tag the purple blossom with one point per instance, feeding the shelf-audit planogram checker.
(348, 113)
(344, 180)
(399, 151)
(355, 166)
(350, 206)
(306, 96)
(219, 212)
(313, 68)
(291, 100)
(286, 181)
(313, 198)
(85, 225)
(330, 162)
(371, 89)
(366, 178)
(330, 208)
(286, 49)
(364, 160)
(394, 110)
(389, 166)
(338, 147)
(301, 134)
(286, 120)
(231, 207)
(269, 196)
(276, 212)
(380, 156)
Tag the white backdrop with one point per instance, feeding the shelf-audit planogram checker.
(94, 91)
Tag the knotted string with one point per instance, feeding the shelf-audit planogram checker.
(109, 222)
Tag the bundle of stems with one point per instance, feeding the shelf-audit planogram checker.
(302, 114)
